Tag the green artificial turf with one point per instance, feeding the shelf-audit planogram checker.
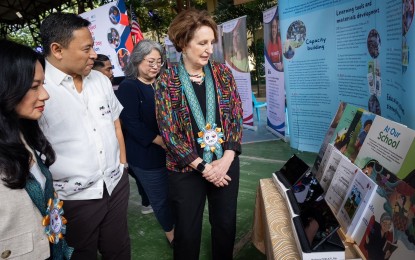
(258, 160)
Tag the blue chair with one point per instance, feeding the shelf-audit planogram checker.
(257, 105)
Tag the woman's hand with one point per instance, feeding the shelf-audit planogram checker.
(213, 175)
(159, 141)
(218, 173)
(216, 177)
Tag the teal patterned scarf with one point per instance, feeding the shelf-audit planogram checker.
(207, 127)
(61, 250)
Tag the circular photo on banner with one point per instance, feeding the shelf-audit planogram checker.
(373, 105)
(114, 14)
(113, 38)
(296, 33)
(407, 15)
(373, 43)
(123, 57)
(289, 50)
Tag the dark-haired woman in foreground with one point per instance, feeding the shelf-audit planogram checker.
(27, 223)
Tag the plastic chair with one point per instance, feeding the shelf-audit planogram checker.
(257, 105)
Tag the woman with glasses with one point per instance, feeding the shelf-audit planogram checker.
(145, 148)
(199, 113)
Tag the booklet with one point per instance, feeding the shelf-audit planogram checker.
(328, 137)
(328, 166)
(343, 135)
(389, 216)
(407, 171)
(360, 194)
(336, 193)
(369, 177)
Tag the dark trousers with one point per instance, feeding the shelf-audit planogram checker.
(100, 224)
(188, 192)
(155, 184)
(144, 198)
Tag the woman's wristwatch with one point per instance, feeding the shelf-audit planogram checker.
(201, 166)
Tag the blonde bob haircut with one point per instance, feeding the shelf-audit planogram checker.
(184, 25)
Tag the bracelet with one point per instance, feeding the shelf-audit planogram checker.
(124, 165)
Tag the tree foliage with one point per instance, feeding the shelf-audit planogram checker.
(162, 13)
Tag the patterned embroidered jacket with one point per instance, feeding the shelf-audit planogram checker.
(173, 116)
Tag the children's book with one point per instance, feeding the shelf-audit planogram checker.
(389, 216)
(388, 143)
(328, 166)
(359, 194)
(340, 183)
(368, 173)
(407, 171)
(329, 136)
(342, 138)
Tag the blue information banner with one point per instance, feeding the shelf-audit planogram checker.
(343, 50)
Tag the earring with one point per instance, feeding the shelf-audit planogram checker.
(184, 53)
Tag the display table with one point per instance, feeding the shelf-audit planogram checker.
(272, 232)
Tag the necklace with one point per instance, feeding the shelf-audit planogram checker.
(197, 75)
(197, 78)
(145, 81)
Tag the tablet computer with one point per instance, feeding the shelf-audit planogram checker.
(307, 189)
(318, 222)
(292, 171)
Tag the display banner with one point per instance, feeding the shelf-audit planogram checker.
(218, 55)
(274, 73)
(172, 56)
(406, 107)
(110, 29)
(236, 57)
(340, 50)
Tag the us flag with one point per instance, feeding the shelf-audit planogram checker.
(135, 28)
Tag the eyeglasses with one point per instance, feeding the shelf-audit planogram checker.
(153, 63)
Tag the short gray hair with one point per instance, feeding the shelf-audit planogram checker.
(142, 49)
